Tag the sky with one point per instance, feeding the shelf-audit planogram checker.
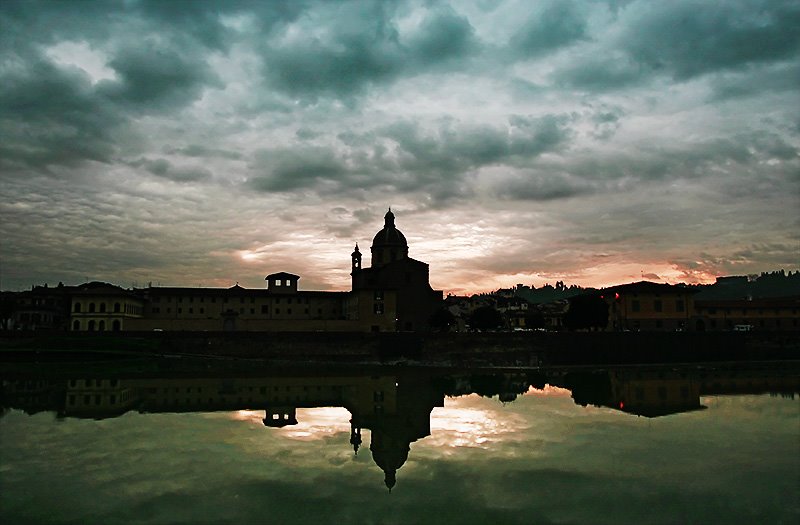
(208, 143)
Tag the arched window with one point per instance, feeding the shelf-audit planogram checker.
(91, 326)
(116, 308)
(77, 307)
(91, 307)
(76, 325)
(101, 326)
(116, 326)
(102, 308)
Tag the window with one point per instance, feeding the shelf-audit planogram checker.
(191, 310)
(116, 308)
(679, 305)
(635, 305)
(76, 325)
(101, 326)
(91, 307)
(77, 308)
(378, 295)
(378, 308)
(202, 310)
(264, 309)
(658, 306)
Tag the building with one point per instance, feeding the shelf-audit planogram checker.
(773, 314)
(99, 307)
(393, 294)
(648, 306)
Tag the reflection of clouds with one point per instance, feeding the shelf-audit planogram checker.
(312, 423)
(318, 423)
(548, 391)
(470, 421)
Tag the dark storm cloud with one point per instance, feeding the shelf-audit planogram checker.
(757, 81)
(409, 158)
(687, 39)
(543, 186)
(153, 77)
(164, 168)
(441, 37)
(198, 150)
(560, 24)
(691, 38)
(351, 46)
(293, 169)
(51, 116)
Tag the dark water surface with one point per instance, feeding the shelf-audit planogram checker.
(649, 446)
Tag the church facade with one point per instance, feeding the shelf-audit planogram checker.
(393, 294)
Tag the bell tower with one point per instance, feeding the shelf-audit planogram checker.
(356, 259)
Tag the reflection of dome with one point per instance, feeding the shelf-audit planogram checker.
(389, 453)
(389, 244)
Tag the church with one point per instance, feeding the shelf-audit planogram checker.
(393, 294)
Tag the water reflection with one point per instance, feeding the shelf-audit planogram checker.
(394, 404)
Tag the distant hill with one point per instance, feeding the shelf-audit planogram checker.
(548, 293)
(767, 285)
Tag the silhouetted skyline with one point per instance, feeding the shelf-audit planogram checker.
(209, 143)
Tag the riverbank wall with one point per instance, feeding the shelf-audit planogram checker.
(502, 348)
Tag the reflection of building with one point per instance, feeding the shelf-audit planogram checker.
(654, 393)
(643, 392)
(395, 408)
(393, 294)
(661, 391)
(649, 306)
(98, 398)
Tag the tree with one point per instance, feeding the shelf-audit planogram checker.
(442, 320)
(486, 318)
(586, 312)
(534, 319)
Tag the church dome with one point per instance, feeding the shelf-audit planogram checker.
(389, 235)
(389, 244)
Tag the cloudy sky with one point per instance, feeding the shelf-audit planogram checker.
(208, 143)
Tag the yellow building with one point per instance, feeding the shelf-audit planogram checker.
(99, 307)
(649, 306)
